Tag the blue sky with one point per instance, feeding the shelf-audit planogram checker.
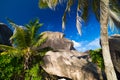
(22, 11)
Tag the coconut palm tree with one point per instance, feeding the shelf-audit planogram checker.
(25, 42)
(104, 16)
(105, 10)
(108, 15)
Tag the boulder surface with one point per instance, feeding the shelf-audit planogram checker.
(56, 41)
(65, 61)
(5, 34)
(114, 43)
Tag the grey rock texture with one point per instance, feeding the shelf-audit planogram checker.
(65, 61)
(5, 34)
(56, 41)
(70, 64)
(114, 43)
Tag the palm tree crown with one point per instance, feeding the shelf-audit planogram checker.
(82, 10)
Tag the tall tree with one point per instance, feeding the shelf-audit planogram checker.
(105, 10)
(104, 15)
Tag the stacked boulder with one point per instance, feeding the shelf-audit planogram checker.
(5, 34)
(65, 61)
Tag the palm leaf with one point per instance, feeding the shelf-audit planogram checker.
(78, 21)
(48, 3)
(9, 50)
(114, 20)
(18, 37)
(32, 29)
(12, 23)
(83, 5)
(40, 40)
(115, 5)
(69, 4)
(13, 53)
(5, 47)
(81, 14)
(96, 8)
(42, 4)
(64, 21)
(114, 12)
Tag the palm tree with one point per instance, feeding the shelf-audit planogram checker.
(25, 42)
(104, 15)
(105, 10)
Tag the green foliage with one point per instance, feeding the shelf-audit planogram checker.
(48, 3)
(33, 73)
(42, 4)
(96, 56)
(10, 67)
(25, 41)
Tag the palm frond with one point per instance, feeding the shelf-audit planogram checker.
(81, 14)
(40, 42)
(32, 30)
(111, 23)
(96, 8)
(18, 37)
(12, 53)
(9, 50)
(114, 18)
(83, 4)
(12, 23)
(42, 4)
(48, 3)
(5, 47)
(78, 21)
(115, 5)
(63, 21)
(33, 27)
(68, 6)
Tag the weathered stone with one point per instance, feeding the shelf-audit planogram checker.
(56, 41)
(5, 34)
(64, 61)
(114, 43)
(70, 64)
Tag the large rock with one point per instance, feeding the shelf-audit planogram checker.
(56, 40)
(5, 34)
(65, 61)
(114, 43)
(70, 64)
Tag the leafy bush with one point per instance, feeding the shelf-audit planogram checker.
(96, 56)
(23, 60)
(10, 67)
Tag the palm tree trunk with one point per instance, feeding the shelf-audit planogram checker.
(26, 59)
(104, 14)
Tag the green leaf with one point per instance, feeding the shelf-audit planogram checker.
(42, 4)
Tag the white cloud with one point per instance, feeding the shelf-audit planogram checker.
(94, 43)
(85, 45)
(76, 44)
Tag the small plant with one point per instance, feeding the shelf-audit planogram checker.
(96, 56)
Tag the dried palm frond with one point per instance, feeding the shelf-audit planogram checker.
(68, 6)
(79, 21)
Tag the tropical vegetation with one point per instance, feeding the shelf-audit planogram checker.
(96, 56)
(23, 60)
